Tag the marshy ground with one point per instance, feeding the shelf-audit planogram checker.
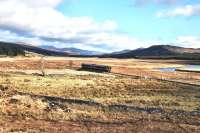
(68, 100)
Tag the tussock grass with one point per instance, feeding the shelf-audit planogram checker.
(103, 88)
(108, 89)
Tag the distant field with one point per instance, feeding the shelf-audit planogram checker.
(142, 68)
(67, 99)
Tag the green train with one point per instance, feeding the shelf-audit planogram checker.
(96, 68)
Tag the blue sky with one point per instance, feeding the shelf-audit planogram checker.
(104, 25)
(139, 21)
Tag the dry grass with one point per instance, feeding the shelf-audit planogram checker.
(108, 89)
(144, 68)
(32, 111)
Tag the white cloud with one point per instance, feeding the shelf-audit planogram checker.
(45, 21)
(165, 2)
(38, 22)
(40, 19)
(12, 37)
(116, 41)
(33, 3)
(188, 10)
(188, 41)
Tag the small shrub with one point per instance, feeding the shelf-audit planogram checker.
(42, 66)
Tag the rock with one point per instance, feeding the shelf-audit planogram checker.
(3, 88)
(27, 80)
(13, 101)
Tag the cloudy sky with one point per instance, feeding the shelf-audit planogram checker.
(103, 25)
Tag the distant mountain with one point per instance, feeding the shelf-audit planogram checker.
(153, 52)
(121, 52)
(159, 51)
(14, 49)
(72, 51)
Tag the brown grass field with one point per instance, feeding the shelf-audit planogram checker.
(130, 99)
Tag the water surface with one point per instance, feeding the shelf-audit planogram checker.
(173, 69)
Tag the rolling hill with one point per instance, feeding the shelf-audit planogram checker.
(10, 50)
(153, 52)
(72, 51)
(14, 49)
(159, 52)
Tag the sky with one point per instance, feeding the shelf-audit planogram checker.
(101, 25)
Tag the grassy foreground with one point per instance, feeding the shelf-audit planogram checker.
(91, 102)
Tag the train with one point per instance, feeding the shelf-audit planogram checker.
(96, 68)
